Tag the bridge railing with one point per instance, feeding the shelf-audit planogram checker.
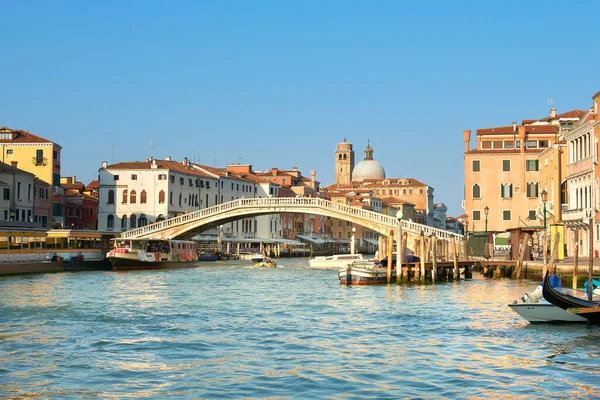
(282, 202)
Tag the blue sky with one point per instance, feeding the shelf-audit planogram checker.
(280, 83)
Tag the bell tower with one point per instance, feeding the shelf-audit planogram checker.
(344, 163)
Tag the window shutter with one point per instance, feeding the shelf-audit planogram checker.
(510, 191)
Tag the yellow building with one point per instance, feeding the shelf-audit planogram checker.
(502, 173)
(38, 156)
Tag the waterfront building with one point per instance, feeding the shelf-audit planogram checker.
(38, 156)
(81, 208)
(582, 184)
(42, 203)
(18, 192)
(502, 173)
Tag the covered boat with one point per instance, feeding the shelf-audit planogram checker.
(207, 256)
(364, 272)
(152, 254)
(576, 305)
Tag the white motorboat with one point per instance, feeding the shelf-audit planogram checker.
(535, 309)
(335, 261)
(254, 257)
(364, 272)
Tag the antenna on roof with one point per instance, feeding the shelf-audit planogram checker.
(215, 159)
(113, 152)
(550, 100)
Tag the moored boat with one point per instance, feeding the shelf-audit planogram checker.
(535, 309)
(364, 272)
(254, 257)
(573, 304)
(266, 263)
(152, 254)
(207, 256)
(335, 261)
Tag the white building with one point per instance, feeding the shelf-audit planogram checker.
(134, 194)
(18, 193)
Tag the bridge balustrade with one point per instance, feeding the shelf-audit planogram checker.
(274, 203)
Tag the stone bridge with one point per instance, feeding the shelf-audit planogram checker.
(188, 225)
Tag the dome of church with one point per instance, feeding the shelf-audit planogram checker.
(368, 168)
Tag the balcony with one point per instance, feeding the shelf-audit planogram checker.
(39, 160)
(576, 217)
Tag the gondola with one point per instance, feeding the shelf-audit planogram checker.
(575, 305)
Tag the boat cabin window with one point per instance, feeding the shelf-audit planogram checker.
(158, 246)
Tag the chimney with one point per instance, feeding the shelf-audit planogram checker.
(153, 165)
(104, 164)
(185, 161)
(553, 112)
(274, 171)
(522, 137)
(14, 163)
(150, 158)
(514, 126)
(467, 137)
(313, 173)
(596, 100)
(167, 158)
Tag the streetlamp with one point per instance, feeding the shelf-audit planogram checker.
(352, 242)
(544, 199)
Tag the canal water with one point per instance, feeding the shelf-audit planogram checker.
(230, 330)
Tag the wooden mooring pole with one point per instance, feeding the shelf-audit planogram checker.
(454, 257)
(422, 251)
(575, 256)
(434, 250)
(390, 256)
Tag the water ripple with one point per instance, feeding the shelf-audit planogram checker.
(226, 330)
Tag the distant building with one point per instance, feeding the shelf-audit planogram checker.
(18, 195)
(81, 208)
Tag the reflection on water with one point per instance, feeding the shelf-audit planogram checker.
(229, 330)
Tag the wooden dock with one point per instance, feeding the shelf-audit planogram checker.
(441, 271)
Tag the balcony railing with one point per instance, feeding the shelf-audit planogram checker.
(573, 215)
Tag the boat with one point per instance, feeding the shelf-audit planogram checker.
(589, 310)
(254, 257)
(535, 309)
(364, 272)
(335, 261)
(152, 254)
(267, 263)
(207, 256)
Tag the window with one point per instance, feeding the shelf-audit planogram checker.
(476, 191)
(19, 190)
(172, 178)
(39, 156)
(133, 177)
(55, 154)
(143, 220)
(132, 197)
(231, 185)
(532, 189)
(111, 196)
(237, 187)
(506, 215)
(124, 222)
(191, 183)
(116, 177)
(180, 199)
(486, 145)
(532, 214)
(476, 215)
(161, 197)
(531, 144)
(509, 144)
(110, 221)
(6, 194)
(29, 192)
(506, 165)
(532, 165)
(9, 151)
(340, 223)
(124, 201)
(506, 191)
(162, 177)
(143, 197)
(476, 166)
(543, 144)
(181, 181)
(420, 191)
(171, 198)
(132, 220)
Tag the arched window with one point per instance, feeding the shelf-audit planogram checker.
(161, 197)
(132, 221)
(110, 220)
(506, 190)
(171, 198)
(532, 189)
(476, 191)
(125, 196)
(132, 197)
(143, 221)
(344, 156)
(124, 222)
(111, 196)
(143, 197)
(340, 157)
